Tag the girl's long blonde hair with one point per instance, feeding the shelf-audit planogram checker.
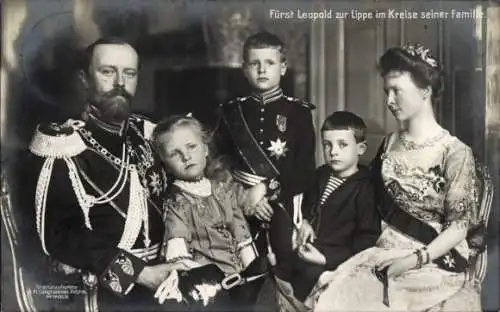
(217, 167)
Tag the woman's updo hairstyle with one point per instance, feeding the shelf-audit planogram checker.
(417, 60)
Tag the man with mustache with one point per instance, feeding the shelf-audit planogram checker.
(98, 194)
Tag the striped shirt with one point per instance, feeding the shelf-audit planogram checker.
(332, 184)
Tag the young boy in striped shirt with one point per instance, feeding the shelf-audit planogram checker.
(340, 208)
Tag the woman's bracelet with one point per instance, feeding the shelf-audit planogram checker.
(418, 252)
(427, 257)
(423, 257)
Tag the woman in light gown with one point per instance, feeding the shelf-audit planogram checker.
(426, 193)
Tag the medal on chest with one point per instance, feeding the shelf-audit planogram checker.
(278, 148)
(281, 122)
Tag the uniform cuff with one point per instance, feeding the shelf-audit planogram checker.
(120, 275)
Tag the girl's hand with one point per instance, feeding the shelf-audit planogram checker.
(184, 265)
(264, 211)
(169, 289)
(255, 194)
(399, 266)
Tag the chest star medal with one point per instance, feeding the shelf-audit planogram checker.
(278, 148)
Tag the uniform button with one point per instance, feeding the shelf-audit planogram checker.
(261, 119)
(261, 142)
(262, 110)
(261, 130)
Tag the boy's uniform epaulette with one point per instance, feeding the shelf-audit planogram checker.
(239, 99)
(301, 102)
(58, 140)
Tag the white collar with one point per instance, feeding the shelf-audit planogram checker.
(202, 187)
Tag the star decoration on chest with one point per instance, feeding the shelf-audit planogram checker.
(155, 183)
(278, 148)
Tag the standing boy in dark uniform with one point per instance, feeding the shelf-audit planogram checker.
(270, 137)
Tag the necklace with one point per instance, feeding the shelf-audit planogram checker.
(413, 145)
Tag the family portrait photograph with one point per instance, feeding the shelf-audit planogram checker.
(264, 155)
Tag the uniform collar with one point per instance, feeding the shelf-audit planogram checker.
(268, 96)
(106, 127)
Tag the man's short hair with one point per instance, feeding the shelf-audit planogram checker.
(263, 40)
(87, 54)
(344, 120)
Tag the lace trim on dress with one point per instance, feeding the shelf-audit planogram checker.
(201, 188)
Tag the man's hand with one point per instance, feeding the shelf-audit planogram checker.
(264, 211)
(310, 254)
(152, 276)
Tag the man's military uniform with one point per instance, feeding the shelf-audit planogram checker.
(270, 138)
(98, 204)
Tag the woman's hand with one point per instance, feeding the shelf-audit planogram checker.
(399, 266)
(310, 254)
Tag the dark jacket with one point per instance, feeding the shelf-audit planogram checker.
(67, 238)
(347, 223)
(283, 128)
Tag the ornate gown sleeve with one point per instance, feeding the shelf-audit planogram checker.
(459, 203)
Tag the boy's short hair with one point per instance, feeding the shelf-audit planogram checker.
(343, 120)
(262, 40)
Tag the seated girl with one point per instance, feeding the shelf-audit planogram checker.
(204, 215)
(424, 178)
